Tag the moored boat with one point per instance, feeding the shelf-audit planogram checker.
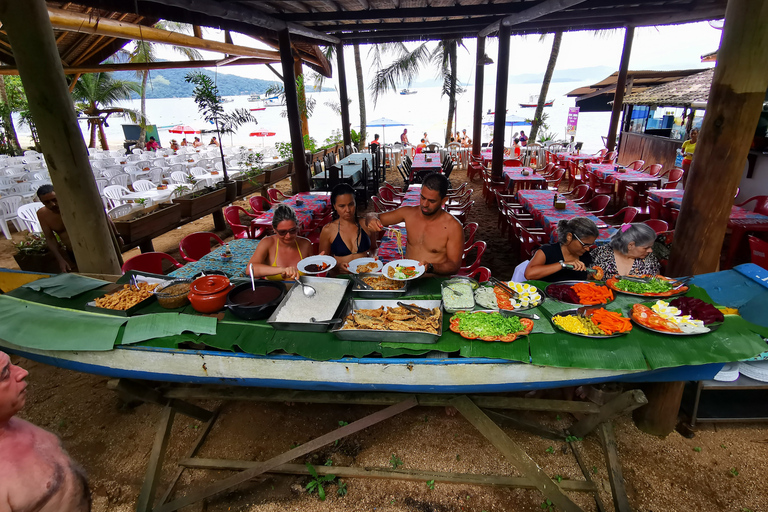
(406, 92)
(533, 102)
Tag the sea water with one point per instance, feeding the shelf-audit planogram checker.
(425, 111)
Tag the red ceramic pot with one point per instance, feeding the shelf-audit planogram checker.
(208, 294)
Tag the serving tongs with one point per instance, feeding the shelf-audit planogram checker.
(590, 270)
(362, 284)
(416, 310)
(513, 294)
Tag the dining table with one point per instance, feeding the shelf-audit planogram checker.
(515, 179)
(307, 205)
(640, 182)
(154, 195)
(540, 204)
(350, 171)
(423, 164)
(388, 249)
(241, 249)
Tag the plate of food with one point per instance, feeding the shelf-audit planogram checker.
(684, 316)
(528, 296)
(584, 293)
(592, 323)
(313, 265)
(458, 294)
(647, 286)
(403, 270)
(365, 265)
(490, 326)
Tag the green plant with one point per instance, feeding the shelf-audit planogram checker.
(550, 449)
(335, 138)
(697, 449)
(733, 472)
(572, 439)
(328, 462)
(306, 105)
(141, 200)
(343, 423)
(395, 461)
(547, 505)
(317, 482)
(431, 484)
(342, 490)
(722, 446)
(33, 243)
(355, 137)
(546, 136)
(458, 457)
(285, 149)
(594, 470)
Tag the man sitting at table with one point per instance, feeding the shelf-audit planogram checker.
(421, 147)
(375, 140)
(152, 145)
(35, 472)
(435, 237)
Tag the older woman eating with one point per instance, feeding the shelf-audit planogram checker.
(570, 257)
(630, 252)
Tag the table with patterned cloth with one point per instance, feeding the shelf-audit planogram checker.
(242, 250)
(312, 205)
(422, 166)
(388, 245)
(539, 203)
(513, 177)
(412, 197)
(640, 181)
(662, 196)
(487, 155)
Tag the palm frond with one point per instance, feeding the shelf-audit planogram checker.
(402, 71)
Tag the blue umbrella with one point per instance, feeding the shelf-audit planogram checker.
(511, 120)
(383, 122)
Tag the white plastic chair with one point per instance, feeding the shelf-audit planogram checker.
(119, 211)
(155, 175)
(120, 179)
(197, 171)
(8, 207)
(179, 177)
(27, 214)
(114, 194)
(143, 185)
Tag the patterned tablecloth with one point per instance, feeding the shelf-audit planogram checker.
(513, 176)
(739, 215)
(313, 204)
(388, 246)
(420, 162)
(412, 197)
(242, 250)
(540, 204)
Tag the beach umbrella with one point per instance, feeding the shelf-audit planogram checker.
(511, 120)
(183, 128)
(383, 122)
(262, 134)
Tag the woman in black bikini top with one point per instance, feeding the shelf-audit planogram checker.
(344, 238)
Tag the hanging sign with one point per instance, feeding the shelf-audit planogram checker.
(573, 120)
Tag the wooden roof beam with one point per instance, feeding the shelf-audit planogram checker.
(532, 13)
(140, 66)
(64, 20)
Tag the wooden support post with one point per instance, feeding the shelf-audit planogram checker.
(34, 48)
(140, 391)
(621, 83)
(514, 453)
(624, 403)
(500, 117)
(659, 417)
(343, 95)
(587, 476)
(477, 119)
(734, 106)
(155, 465)
(300, 178)
(615, 475)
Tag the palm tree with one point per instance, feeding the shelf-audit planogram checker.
(144, 52)
(360, 94)
(12, 99)
(408, 64)
(95, 93)
(537, 118)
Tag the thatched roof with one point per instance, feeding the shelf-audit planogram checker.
(684, 92)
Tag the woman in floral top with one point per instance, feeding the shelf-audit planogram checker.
(630, 252)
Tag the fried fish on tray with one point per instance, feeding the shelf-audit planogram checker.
(382, 283)
(393, 319)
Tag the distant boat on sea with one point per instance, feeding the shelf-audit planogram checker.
(405, 92)
(227, 100)
(533, 102)
(255, 97)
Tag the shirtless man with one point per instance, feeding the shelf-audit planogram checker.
(35, 472)
(404, 136)
(435, 237)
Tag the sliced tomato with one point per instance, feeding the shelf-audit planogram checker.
(527, 323)
(455, 320)
(488, 338)
(469, 335)
(455, 327)
(508, 337)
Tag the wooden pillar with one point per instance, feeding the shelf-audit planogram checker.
(659, 416)
(298, 72)
(300, 171)
(34, 48)
(477, 120)
(343, 95)
(500, 117)
(689, 123)
(735, 102)
(621, 83)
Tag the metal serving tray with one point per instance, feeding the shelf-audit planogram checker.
(384, 336)
(378, 294)
(337, 297)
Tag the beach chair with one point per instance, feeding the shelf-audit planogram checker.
(275, 196)
(658, 225)
(27, 214)
(119, 211)
(179, 178)
(120, 179)
(143, 185)
(114, 194)
(232, 216)
(624, 216)
(9, 206)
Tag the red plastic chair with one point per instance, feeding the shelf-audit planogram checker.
(513, 162)
(462, 212)
(598, 204)
(636, 165)
(653, 169)
(557, 178)
(758, 251)
(474, 169)
(259, 204)
(623, 216)
(581, 193)
(386, 194)
(275, 196)
(394, 189)
(761, 205)
(232, 216)
(151, 262)
(609, 157)
(481, 274)
(195, 246)
(469, 234)
(380, 206)
(658, 225)
(469, 267)
(675, 176)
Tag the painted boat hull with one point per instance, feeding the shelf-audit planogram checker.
(449, 375)
(534, 105)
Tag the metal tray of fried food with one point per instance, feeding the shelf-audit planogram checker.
(400, 336)
(379, 294)
(330, 295)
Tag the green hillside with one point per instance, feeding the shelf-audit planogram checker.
(169, 83)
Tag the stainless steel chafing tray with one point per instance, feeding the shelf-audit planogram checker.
(388, 336)
(335, 297)
(378, 294)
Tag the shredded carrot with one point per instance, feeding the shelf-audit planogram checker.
(610, 322)
(591, 294)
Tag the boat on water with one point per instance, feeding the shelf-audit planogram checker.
(406, 92)
(274, 101)
(227, 100)
(533, 102)
(255, 97)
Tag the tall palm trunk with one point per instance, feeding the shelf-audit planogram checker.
(92, 142)
(452, 55)
(10, 130)
(360, 94)
(545, 85)
(102, 135)
(143, 121)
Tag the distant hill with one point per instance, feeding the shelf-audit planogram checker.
(590, 74)
(169, 83)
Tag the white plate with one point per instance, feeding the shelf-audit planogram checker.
(316, 260)
(364, 261)
(403, 263)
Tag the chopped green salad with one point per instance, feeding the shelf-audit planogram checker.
(489, 324)
(654, 285)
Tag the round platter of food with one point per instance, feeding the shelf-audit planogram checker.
(647, 286)
(581, 293)
(313, 265)
(684, 316)
(592, 323)
(495, 297)
(490, 326)
(403, 270)
(365, 266)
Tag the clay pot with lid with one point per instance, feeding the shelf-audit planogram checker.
(208, 294)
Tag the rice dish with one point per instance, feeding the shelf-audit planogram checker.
(298, 308)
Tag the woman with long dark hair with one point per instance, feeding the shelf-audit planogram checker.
(345, 238)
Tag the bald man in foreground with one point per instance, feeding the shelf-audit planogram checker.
(36, 475)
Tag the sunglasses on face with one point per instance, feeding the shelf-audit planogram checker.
(586, 246)
(283, 232)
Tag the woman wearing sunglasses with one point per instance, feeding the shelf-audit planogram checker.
(553, 262)
(276, 256)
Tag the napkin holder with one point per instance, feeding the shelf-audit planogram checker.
(559, 205)
(525, 173)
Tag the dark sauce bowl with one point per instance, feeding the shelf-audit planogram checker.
(247, 304)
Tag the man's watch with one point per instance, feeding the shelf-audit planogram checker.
(562, 264)
(430, 268)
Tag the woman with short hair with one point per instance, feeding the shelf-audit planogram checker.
(630, 252)
(277, 256)
(575, 238)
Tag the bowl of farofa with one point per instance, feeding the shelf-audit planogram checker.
(173, 294)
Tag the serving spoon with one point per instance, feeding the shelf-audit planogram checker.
(308, 290)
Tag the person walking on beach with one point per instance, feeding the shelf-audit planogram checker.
(434, 237)
(426, 139)
(688, 148)
(523, 139)
(36, 474)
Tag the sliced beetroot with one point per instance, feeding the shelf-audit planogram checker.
(698, 309)
(563, 293)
